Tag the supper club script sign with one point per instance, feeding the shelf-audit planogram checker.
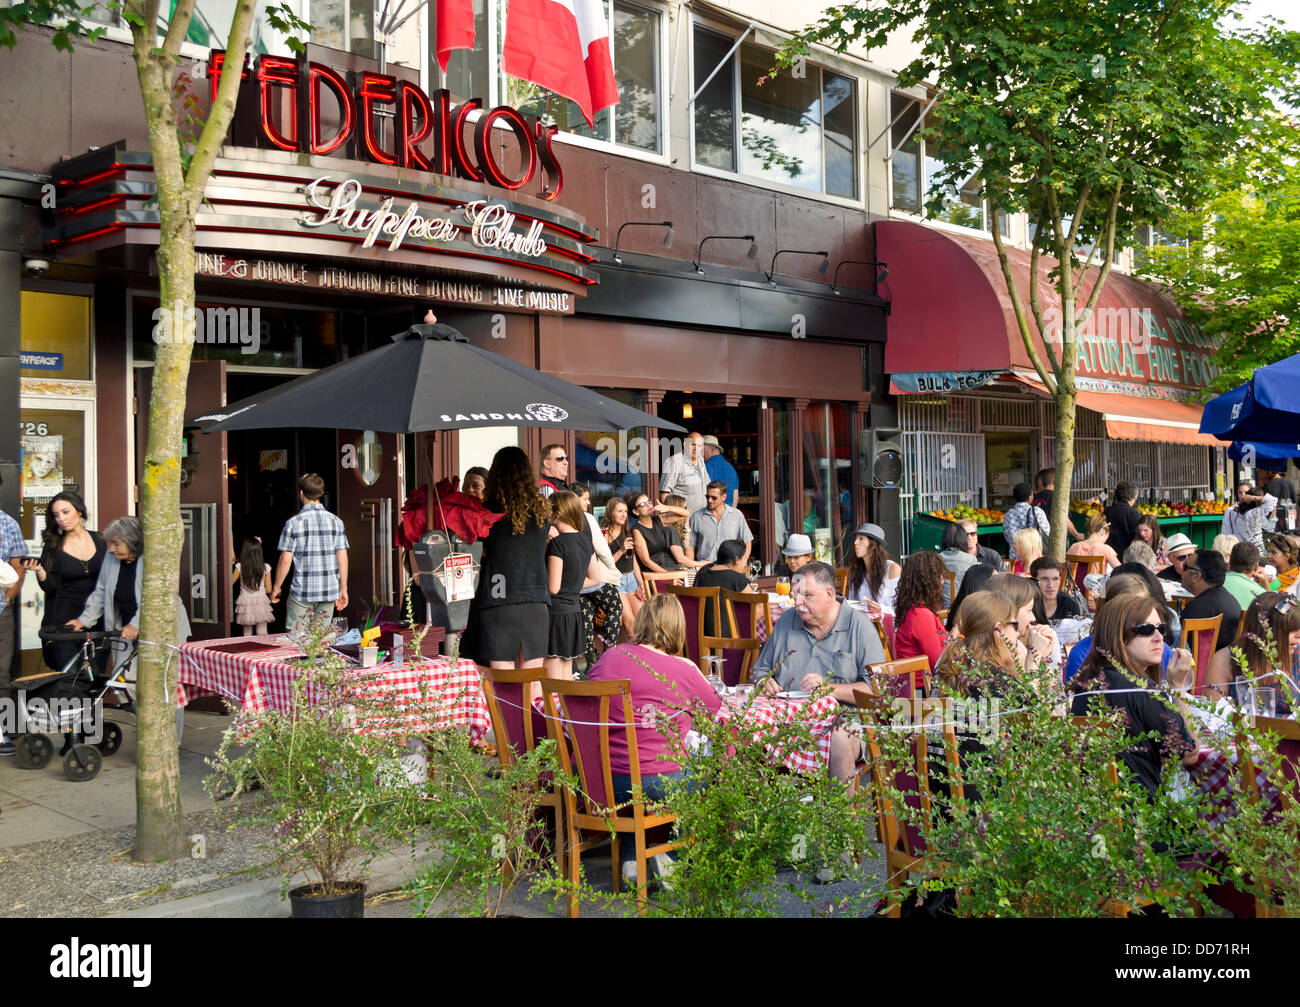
(426, 134)
(484, 224)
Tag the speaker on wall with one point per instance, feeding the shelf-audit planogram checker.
(880, 458)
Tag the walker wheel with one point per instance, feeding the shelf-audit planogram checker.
(33, 751)
(111, 741)
(82, 763)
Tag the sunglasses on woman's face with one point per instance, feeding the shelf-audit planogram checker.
(1148, 629)
(1013, 624)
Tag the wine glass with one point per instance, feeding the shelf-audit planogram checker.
(755, 571)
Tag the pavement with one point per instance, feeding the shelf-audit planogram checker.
(65, 850)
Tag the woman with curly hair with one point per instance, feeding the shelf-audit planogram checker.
(1269, 641)
(873, 576)
(918, 630)
(509, 619)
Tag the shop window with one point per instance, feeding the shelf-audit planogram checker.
(610, 463)
(257, 336)
(55, 336)
(348, 25)
(796, 130)
(635, 120)
(905, 165)
(780, 475)
(827, 479)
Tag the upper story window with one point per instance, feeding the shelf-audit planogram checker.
(796, 130)
(636, 121)
(208, 26)
(914, 174)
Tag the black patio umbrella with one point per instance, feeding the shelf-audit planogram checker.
(430, 378)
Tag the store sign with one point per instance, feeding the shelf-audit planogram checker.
(487, 225)
(41, 361)
(942, 381)
(427, 134)
(487, 296)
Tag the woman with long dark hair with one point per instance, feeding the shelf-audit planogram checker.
(873, 576)
(617, 530)
(918, 630)
(67, 570)
(1270, 640)
(975, 580)
(1124, 668)
(510, 617)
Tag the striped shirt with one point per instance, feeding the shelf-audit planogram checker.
(313, 536)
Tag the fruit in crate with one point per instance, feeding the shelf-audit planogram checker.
(1085, 507)
(963, 512)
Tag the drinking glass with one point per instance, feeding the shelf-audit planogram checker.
(1241, 692)
(783, 586)
(1264, 702)
(715, 672)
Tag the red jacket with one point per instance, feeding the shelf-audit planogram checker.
(920, 633)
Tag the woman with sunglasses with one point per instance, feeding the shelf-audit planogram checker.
(1117, 586)
(1271, 616)
(659, 547)
(1123, 672)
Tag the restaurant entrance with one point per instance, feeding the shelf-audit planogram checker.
(1008, 461)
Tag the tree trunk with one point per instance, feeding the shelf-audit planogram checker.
(160, 833)
(1060, 516)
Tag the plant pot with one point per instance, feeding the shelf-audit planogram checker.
(306, 905)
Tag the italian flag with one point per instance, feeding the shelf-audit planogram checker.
(563, 45)
(454, 27)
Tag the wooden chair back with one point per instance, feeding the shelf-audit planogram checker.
(885, 628)
(949, 586)
(696, 604)
(738, 656)
(1201, 637)
(841, 580)
(1078, 567)
(654, 580)
(903, 678)
(517, 724)
(744, 610)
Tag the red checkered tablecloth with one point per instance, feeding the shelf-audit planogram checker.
(1213, 774)
(432, 695)
(819, 714)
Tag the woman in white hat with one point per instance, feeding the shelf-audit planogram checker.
(798, 552)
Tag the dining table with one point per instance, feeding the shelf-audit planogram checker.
(758, 720)
(258, 673)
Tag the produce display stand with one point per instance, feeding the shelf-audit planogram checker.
(1200, 528)
(927, 534)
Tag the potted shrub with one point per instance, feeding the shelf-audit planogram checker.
(334, 795)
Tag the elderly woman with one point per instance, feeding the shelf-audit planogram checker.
(118, 591)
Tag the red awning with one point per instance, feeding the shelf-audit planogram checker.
(950, 312)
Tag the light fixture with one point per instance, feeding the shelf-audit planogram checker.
(688, 412)
(821, 270)
(881, 274)
(699, 252)
(668, 238)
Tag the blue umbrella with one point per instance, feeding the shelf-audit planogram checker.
(1265, 409)
(1269, 456)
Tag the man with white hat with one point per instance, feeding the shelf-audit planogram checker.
(721, 469)
(798, 552)
(1178, 548)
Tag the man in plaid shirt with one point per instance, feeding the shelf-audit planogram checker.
(314, 544)
(1024, 515)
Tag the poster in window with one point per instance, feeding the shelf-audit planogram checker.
(42, 465)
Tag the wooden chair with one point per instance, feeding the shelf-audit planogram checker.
(696, 602)
(906, 851)
(1078, 567)
(1201, 636)
(580, 725)
(841, 580)
(904, 678)
(744, 610)
(508, 696)
(653, 580)
(738, 656)
(885, 629)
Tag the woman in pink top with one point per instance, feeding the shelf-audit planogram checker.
(662, 707)
(919, 630)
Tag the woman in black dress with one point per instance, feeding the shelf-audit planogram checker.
(509, 619)
(728, 571)
(659, 547)
(67, 570)
(571, 565)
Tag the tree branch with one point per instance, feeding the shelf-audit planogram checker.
(1035, 304)
(1112, 213)
(178, 27)
(1018, 307)
(1077, 219)
(223, 106)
